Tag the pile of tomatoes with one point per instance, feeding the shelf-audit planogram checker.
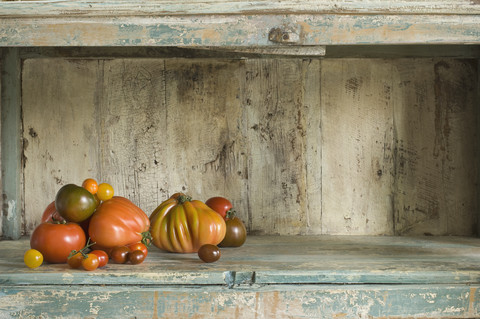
(87, 226)
(92, 212)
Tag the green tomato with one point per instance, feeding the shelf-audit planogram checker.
(75, 203)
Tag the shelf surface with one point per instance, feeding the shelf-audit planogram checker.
(275, 260)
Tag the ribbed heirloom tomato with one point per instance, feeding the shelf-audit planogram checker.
(183, 225)
(118, 222)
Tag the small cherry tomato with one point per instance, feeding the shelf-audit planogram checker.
(209, 253)
(136, 257)
(33, 258)
(90, 185)
(139, 246)
(119, 254)
(102, 257)
(90, 263)
(219, 204)
(105, 191)
(75, 261)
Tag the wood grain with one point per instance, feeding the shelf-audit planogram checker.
(333, 146)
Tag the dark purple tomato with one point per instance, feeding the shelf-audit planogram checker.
(209, 253)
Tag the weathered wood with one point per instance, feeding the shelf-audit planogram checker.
(237, 30)
(436, 134)
(11, 144)
(300, 146)
(116, 8)
(279, 301)
(62, 147)
(290, 276)
(357, 154)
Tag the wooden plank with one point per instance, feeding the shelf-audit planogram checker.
(239, 31)
(436, 151)
(357, 150)
(276, 128)
(60, 114)
(272, 260)
(279, 301)
(87, 8)
(11, 144)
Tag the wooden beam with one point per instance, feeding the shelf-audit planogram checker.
(11, 143)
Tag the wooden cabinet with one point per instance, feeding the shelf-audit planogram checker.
(344, 132)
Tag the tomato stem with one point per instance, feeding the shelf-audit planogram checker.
(82, 251)
(183, 198)
(230, 214)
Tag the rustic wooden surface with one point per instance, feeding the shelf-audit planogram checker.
(334, 146)
(236, 23)
(290, 276)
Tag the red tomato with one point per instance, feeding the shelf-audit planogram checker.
(220, 204)
(75, 261)
(56, 240)
(50, 214)
(118, 222)
(102, 257)
(139, 246)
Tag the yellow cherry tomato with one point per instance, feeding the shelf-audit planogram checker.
(105, 191)
(33, 258)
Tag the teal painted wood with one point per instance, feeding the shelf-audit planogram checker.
(11, 143)
(236, 23)
(272, 301)
(275, 260)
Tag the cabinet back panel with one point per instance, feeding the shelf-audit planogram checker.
(333, 146)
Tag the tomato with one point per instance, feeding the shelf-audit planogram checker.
(136, 257)
(105, 191)
(236, 233)
(139, 246)
(56, 240)
(33, 258)
(118, 222)
(120, 254)
(209, 253)
(90, 263)
(220, 204)
(183, 225)
(102, 257)
(75, 203)
(75, 261)
(90, 185)
(50, 214)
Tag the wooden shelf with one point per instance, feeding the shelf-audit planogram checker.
(236, 23)
(319, 276)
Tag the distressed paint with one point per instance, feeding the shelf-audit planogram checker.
(209, 7)
(238, 30)
(267, 277)
(11, 143)
(278, 301)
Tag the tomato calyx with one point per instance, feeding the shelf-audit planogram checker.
(230, 214)
(184, 198)
(146, 238)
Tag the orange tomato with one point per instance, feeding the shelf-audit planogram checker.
(118, 222)
(91, 185)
